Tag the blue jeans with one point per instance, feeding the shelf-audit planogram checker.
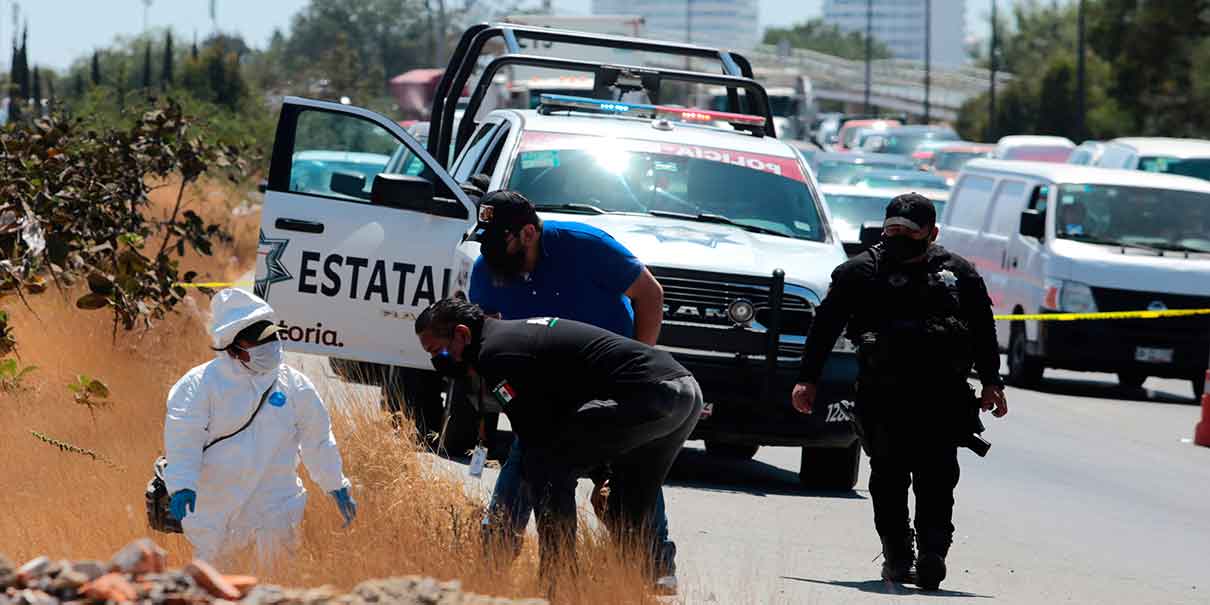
(512, 505)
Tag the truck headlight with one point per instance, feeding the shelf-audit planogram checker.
(1069, 297)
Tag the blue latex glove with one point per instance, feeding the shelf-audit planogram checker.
(344, 502)
(181, 500)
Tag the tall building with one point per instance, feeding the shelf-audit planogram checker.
(900, 25)
(728, 24)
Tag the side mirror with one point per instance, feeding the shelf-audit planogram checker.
(402, 191)
(351, 184)
(1033, 223)
(871, 233)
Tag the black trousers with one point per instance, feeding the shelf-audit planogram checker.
(639, 434)
(916, 451)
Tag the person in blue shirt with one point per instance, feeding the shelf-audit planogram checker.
(534, 268)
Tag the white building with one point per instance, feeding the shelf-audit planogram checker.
(725, 24)
(900, 25)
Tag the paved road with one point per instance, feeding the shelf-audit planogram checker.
(1089, 495)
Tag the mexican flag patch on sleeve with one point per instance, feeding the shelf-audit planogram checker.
(504, 392)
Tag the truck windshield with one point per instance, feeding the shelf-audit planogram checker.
(765, 193)
(1163, 219)
(953, 161)
(1194, 167)
(850, 212)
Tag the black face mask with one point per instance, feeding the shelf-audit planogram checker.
(902, 247)
(447, 366)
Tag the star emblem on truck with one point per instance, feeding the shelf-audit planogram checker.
(275, 271)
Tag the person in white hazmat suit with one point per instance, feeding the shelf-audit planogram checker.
(246, 488)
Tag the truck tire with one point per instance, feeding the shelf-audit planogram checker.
(416, 393)
(1024, 370)
(832, 468)
(1131, 381)
(460, 421)
(1199, 386)
(734, 451)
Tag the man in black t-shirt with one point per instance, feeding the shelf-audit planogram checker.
(579, 396)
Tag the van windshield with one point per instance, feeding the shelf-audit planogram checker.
(1194, 167)
(1163, 219)
(576, 173)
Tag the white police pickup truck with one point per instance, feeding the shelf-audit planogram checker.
(726, 217)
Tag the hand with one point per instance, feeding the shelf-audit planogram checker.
(600, 499)
(346, 505)
(182, 500)
(803, 397)
(992, 399)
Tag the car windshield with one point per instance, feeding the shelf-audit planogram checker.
(905, 144)
(1165, 219)
(850, 212)
(906, 182)
(953, 161)
(1039, 153)
(1194, 167)
(843, 171)
(584, 173)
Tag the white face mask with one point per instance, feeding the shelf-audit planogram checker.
(265, 358)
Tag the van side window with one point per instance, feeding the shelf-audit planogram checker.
(970, 201)
(1006, 208)
(1037, 199)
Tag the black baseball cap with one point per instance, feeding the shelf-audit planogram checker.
(502, 212)
(911, 210)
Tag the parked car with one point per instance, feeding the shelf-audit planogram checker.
(904, 180)
(855, 212)
(1034, 148)
(1189, 157)
(923, 155)
(903, 140)
(948, 161)
(1059, 238)
(1087, 153)
(850, 132)
(841, 167)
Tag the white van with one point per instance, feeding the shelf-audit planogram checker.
(1056, 238)
(1188, 157)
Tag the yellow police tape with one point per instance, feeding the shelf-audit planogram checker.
(1022, 317)
(1104, 315)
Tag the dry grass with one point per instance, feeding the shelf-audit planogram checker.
(413, 518)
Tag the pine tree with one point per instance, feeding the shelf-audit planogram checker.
(147, 66)
(23, 75)
(96, 68)
(50, 88)
(14, 87)
(77, 85)
(35, 87)
(166, 70)
(193, 51)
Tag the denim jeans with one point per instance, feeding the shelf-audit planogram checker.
(511, 504)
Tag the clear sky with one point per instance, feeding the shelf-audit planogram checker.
(63, 30)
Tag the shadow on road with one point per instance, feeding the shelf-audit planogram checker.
(891, 588)
(1076, 387)
(696, 469)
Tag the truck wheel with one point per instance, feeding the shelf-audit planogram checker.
(734, 451)
(1199, 386)
(1023, 369)
(460, 421)
(416, 393)
(1132, 381)
(830, 467)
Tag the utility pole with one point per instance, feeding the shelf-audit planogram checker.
(928, 54)
(991, 109)
(146, 8)
(1081, 91)
(869, 49)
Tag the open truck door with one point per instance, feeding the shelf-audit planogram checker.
(349, 254)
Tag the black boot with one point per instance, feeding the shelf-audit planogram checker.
(930, 566)
(897, 555)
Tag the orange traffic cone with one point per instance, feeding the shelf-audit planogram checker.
(1201, 434)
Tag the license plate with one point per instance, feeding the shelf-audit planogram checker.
(707, 410)
(1150, 355)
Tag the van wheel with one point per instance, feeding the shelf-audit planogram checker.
(833, 468)
(1199, 386)
(1131, 381)
(735, 451)
(1023, 369)
(416, 394)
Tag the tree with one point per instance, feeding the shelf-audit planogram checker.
(166, 68)
(24, 73)
(77, 85)
(35, 87)
(96, 68)
(147, 66)
(826, 38)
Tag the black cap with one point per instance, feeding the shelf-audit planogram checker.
(502, 212)
(911, 210)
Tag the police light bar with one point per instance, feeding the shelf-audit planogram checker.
(641, 110)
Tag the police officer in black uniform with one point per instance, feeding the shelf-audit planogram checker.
(921, 318)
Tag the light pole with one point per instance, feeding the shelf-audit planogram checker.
(1081, 91)
(869, 49)
(928, 54)
(991, 99)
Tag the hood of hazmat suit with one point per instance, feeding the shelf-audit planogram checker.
(247, 485)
